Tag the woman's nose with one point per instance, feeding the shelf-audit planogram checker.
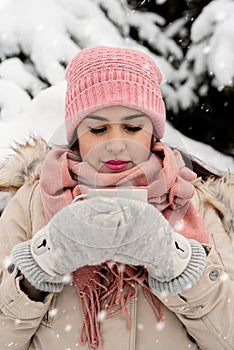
(116, 146)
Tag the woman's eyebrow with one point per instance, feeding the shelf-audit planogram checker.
(96, 117)
(134, 116)
(129, 117)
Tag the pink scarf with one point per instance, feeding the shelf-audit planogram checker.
(169, 184)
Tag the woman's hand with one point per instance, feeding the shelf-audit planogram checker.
(96, 230)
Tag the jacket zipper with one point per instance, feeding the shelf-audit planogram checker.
(132, 332)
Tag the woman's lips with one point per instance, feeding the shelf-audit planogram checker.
(116, 164)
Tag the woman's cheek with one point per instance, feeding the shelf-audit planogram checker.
(139, 152)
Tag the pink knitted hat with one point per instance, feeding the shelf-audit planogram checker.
(104, 76)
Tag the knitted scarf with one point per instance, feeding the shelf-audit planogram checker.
(106, 289)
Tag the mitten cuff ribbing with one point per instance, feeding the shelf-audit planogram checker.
(189, 276)
(22, 258)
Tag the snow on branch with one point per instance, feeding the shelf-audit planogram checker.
(212, 48)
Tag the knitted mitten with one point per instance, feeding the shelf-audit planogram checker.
(96, 230)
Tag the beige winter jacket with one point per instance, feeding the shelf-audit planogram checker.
(200, 318)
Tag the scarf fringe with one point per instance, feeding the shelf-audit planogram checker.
(105, 291)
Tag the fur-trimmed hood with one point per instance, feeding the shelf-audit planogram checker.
(24, 166)
(218, 193)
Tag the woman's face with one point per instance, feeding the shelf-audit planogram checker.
(115, 138)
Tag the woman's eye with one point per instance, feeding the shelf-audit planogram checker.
(97, 131)
(134, 128)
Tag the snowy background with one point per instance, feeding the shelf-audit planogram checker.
(39, 37)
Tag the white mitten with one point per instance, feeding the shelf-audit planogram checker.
(96, 230)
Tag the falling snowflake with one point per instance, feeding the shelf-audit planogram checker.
(160, 2)
(17, 322)
(160, 326)
(68, 328)
(188, 286)
(179, 226)
(140, 326)
(121, 268)
(206, 50)
(224, 277)
(53, 312)
(67, 279)
(7, 262)
(102, 315)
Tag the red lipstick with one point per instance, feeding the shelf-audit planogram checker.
(116, 164)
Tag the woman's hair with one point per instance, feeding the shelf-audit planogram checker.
(74, 146)
(74, 143)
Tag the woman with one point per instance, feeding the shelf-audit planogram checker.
(112, 272)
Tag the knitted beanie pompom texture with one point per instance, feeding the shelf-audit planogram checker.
(104, 76)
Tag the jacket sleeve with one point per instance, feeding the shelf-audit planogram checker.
(19, 316)
(207, 309)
